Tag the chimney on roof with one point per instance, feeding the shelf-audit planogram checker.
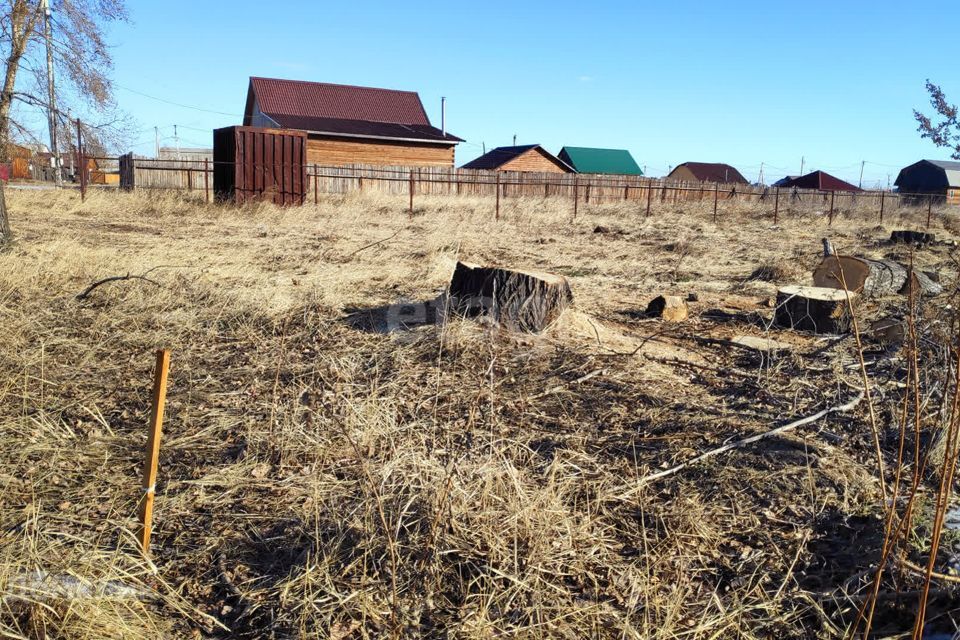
(443, 116)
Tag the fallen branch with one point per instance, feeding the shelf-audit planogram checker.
(561, 387)
(740, 443)
(86, 292)
(143, 276)
(372, 244)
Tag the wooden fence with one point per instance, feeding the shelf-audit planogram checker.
(196, 175)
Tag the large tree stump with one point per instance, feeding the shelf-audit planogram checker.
(519, 300)
(816, 309)
(911, 237)
(872, 278)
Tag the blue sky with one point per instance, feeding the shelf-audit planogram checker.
(738, 82)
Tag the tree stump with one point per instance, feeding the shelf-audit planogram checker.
(670, 308)
(872, 278)
(911, 237)
(518, 300)
(816, 309)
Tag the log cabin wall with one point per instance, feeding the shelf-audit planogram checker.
(332, 151)
(533, 160)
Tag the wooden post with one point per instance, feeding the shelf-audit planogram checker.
(497, 215)
(929, 209)
(716, 198)
(626, 192)
(206, 181)
(360, 183)
(588, 193)
(649, 195)
(189, 179)
(82, 165)
(411, 193)
(149, 480)
(546, 190)
(830, 219)
(576, 195)
(776, 204)
(882, 197)
(316, 178)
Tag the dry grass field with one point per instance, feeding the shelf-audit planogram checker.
(322, 478)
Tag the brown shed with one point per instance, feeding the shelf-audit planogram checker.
(253, 163)
(351, 125)
(528, 157)
(707, 172)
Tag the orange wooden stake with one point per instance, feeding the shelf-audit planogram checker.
(153, 448)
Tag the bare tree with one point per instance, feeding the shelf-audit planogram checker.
(81, 58)
(945, 133)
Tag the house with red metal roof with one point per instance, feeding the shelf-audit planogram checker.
(821, 181)
(707, 172)
(351, 125)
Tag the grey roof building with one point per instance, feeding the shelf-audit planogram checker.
(931, 177)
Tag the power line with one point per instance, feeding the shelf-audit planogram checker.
(178, 104)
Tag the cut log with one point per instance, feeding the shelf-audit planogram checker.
(872, 278)
(761, 345)
(911, 237)
(887, 331)
(670, 308)
(518, 300)
(816, 309)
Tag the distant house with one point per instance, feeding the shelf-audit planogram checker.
(528, 157)
(351, 125)
(783, 181)
(195, 154)
(819, 180)
(707, 172)
(933, 177)
(610, 161)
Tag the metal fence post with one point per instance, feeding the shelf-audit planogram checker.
(411, 193)
(929, 209)
(882, 194)
(206, 181)
(716, 198)
(82, 164)
(497, 187)
(830, 219)
(776, 205)
(649, 195)
(576, 195)
(316, 179)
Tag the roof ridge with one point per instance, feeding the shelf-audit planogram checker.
(335, 84)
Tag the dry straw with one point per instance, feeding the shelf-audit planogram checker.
(322, 479)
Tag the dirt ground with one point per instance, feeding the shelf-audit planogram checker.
(322, 477)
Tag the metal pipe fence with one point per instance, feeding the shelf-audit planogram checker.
(196, 176)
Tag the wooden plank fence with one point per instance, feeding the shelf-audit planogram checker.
(196, 175)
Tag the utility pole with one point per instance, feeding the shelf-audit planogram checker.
(51, 95)
(514, 139)
(156, 135)
(176, 140)
(760, 180)
(801, 164)
(860, 184)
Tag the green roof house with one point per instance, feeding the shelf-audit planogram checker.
(587, 160)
